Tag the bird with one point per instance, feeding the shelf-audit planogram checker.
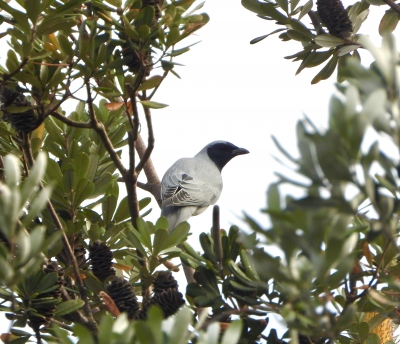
(190, 185)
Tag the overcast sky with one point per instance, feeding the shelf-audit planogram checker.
(231, 90)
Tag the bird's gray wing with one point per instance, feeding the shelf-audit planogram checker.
(184, 190)
(181, 188)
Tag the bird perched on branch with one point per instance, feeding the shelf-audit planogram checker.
(190, 185)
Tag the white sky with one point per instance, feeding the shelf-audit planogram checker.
(242, 93)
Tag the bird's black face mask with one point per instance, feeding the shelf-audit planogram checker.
(222, 153)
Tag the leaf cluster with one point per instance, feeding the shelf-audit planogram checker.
(318, 46)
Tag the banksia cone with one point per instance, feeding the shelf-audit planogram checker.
(166, 295)
(163, 281)
(24, 121)
(335, 17)
(123, 294)
(100, 257)
(169, 301)
(133, 56)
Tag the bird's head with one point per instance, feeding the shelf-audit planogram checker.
(221, 152)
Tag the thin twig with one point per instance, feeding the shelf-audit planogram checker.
(71, 122)
(156, 88)
(216, 234)
(150, 144)
(6, 76)
(393, 5)
(153, 181)
(101, 131)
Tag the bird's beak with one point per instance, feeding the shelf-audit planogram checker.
(240, 151)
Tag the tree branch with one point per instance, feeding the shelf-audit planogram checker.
(99, 128)
(150, 144)
(71, 122)
(153, 184)
(393, 5)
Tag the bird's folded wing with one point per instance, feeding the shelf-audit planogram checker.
(184, 190)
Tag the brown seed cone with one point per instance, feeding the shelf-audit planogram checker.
(133, 57)
(123, 294)
(100, 257)
(335, 17)
(163, 281)
(24, 121)
(169, 301)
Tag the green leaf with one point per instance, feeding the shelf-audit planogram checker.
(232, 334)
(283, 4)
(32, 9)
(326, 40)
(37, 205)
(69, 306)
(159, 241)
(134, 239)
(84, 190)
(297, 36)
(388, 22)
(83, 333)
(327, 71)
(122, 212)
(173, 36)
(145, 17)
(65, 45)
(150, 83)
(300, 27)
(181, 325)
(306, 8)
(373, 339)
(81, 165)
(144, 232)
(162, 223)
(153, 105)
(178, 235)
(108, 208)
(258, 39)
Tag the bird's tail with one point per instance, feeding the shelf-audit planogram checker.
(176, 215)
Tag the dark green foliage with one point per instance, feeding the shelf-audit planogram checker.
(295, 19)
